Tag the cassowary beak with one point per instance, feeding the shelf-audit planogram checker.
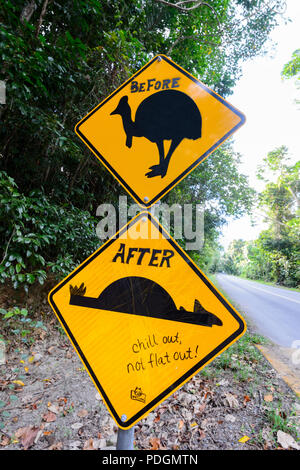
(117, 110)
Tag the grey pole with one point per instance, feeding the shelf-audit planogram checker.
(125, 439)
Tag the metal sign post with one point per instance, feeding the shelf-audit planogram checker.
(125, 439)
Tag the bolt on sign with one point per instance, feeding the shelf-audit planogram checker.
(143, 318)
(156, 128)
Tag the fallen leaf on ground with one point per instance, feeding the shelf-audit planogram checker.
(49, 417)
(56, 446)
(201, 408)
(230, 418)
(5, 440)
(231, 400)
(89, 445)
(244, 439)
(18, 382)
(267, 436)
(27, 435)
(204, 423)
(53, 408)
(287, 441)
(76, 426)
(155, 443)
(246, 399)
(63, 400)
(222, 383)
(268, 397)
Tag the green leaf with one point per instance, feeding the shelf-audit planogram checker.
(13, 397)
(9, 315)
(18, 268)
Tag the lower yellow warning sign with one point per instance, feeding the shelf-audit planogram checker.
(143, 318)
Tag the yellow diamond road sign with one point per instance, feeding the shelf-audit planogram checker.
(143, 318)
(156, 128)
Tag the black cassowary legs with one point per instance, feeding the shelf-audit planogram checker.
(162, 168)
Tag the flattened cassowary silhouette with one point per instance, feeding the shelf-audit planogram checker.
(165, 115)
(142, 296)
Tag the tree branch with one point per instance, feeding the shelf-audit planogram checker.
(43, 12)
(6, 249)
(272, 219)
(196, 4)
(181, 6)
(28, 11)
(178, 5)
(193, 37)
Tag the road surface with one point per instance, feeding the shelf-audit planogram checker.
(275, 312)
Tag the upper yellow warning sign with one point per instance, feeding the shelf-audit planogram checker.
(156, 128)
(143, 318)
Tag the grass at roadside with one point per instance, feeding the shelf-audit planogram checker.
(272, 284)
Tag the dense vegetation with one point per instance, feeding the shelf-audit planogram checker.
(59, 59)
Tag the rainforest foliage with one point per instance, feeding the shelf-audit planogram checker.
(59, 58)
(275, 255)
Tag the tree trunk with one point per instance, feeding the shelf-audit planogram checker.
(43, 12)
(28, 11)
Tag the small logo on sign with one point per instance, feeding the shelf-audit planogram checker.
(138, 395)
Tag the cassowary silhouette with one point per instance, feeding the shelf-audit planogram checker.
(142, 296)
(165, 115)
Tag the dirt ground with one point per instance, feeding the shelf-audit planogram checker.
(48, 402)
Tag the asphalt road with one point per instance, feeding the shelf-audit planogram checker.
(273, 311)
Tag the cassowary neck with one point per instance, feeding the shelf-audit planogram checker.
(128, 124)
